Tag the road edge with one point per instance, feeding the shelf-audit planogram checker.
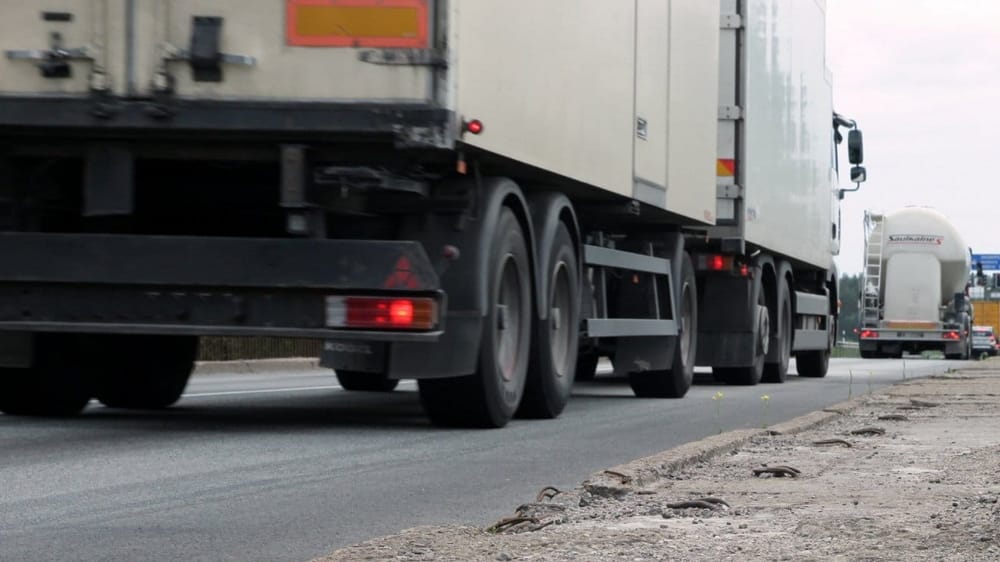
(646, 471)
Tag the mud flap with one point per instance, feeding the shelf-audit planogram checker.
(463, 279)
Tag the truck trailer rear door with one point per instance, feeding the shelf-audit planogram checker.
(290, 50)
(58, 48)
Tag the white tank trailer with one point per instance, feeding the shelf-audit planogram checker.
(914, 294)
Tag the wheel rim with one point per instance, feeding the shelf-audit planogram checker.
(786, 340)
(765, 330)
(686, 335)
(560, 321)
(508, 328)
(831, 335)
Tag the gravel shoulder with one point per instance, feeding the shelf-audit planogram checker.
(922, 484)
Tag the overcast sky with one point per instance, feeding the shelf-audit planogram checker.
(922, 78)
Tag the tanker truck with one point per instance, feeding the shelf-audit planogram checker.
(914, 286)
(482, 196)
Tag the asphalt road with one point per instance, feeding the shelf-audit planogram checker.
(286, 466)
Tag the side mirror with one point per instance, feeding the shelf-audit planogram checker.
(858, 174)
(855, 147)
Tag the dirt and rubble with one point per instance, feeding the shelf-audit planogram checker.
(912, 473)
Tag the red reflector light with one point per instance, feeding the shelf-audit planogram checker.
(951, 335)
(722, 263)
(869, 334)
(381, 313)
(475, 126)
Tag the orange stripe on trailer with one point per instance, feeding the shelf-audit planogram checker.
(911, 325)
(357, 23)
(725, 167)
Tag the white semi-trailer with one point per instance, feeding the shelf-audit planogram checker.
(914, 288)
(472, 194)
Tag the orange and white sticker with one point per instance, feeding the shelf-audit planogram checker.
(357, 23)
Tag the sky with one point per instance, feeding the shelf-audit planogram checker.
(922, 78)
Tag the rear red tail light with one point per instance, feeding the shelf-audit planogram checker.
(386, 313)
(722, 263)
(401, 312)
(953, 335)
(869, 334)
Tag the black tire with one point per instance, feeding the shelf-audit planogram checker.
(55, 385)
(750, 375)
(554, 348)
(675, 382)
(141, 371)
(490, 397)
(586, 365)
(815, 363)
(781, 336)
(365, 382)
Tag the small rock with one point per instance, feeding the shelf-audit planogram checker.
(985, 538)
(504, 557)
(954, 504)
(934, 516)
(743, 525)
(855, 502)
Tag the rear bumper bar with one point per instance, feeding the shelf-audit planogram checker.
(203, 286)
(409, 124)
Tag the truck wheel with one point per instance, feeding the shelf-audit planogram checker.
(815, 363)
(365, 382)
(54, 386)
(749, 376)
(675, 382)
(490, 397)
(781, 337)
(554, 353)
(143, 372)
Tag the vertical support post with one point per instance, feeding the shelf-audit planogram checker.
(303, 218)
